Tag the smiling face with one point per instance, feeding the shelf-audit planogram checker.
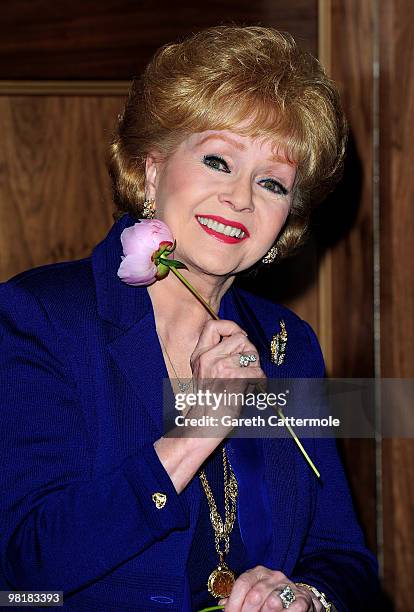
(225, 198)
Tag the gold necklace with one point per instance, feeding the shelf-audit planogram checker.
(181, 385)
(221, 579)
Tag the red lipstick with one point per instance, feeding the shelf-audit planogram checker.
(223, 237)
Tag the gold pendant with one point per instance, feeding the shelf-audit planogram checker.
(220, 581)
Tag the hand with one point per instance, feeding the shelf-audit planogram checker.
(219, 380)
(254, 591)
(218, 341)
(215, 363)
(217, 354)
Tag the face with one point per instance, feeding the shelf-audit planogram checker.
(225, 198)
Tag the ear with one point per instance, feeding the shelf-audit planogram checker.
(152, 165)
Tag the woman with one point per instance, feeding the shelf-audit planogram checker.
(229, 138)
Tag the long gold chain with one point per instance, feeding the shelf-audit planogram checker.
(222, 578)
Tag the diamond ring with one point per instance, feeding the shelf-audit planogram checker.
(246, 359)
(287, 596)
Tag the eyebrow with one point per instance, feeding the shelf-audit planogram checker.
(228, 139)
(278, 158)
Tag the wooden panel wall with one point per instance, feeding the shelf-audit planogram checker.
(55, 200)
(347, 222)
(357, 28)
(113, 39)
(397, 282)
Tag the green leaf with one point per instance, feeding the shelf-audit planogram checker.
(177, 264)
(172, 263)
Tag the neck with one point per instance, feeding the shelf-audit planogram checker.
(177, 311)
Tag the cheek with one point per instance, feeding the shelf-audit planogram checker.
(182, 188)
(275, 220)
(173, 181)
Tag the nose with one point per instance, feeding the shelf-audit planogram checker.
(238, 195)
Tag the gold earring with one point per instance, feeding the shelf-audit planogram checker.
(148, 211)
(270, 255)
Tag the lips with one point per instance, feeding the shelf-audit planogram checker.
(223, 229)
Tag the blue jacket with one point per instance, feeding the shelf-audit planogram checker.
(80, 407)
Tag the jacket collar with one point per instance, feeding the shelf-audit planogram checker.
(118, 303)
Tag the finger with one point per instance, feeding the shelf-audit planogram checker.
(228, 369)
(247, 358)
(236, 344)
(207, 364)
(273, 602)
(264, 591)
(231, 368)
(244, 583)
(312, 603)
(248, 581)
(213, 331)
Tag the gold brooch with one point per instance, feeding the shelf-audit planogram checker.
(278, 345)
(159, 499)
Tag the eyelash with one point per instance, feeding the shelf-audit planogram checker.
(208, 158)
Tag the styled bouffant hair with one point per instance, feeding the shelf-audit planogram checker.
(223, 77)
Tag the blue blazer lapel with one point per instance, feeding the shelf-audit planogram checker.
(246, 454)
(254, 511)
(265, 507)
(131, 332)
(118, 303)
(138, 355)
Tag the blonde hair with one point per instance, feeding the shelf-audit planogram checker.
(217, 79)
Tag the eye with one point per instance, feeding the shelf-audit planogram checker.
(216, 162)
(274, 186)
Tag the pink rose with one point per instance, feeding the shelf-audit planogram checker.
(142, 244)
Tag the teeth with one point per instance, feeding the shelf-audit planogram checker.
(227, 230)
